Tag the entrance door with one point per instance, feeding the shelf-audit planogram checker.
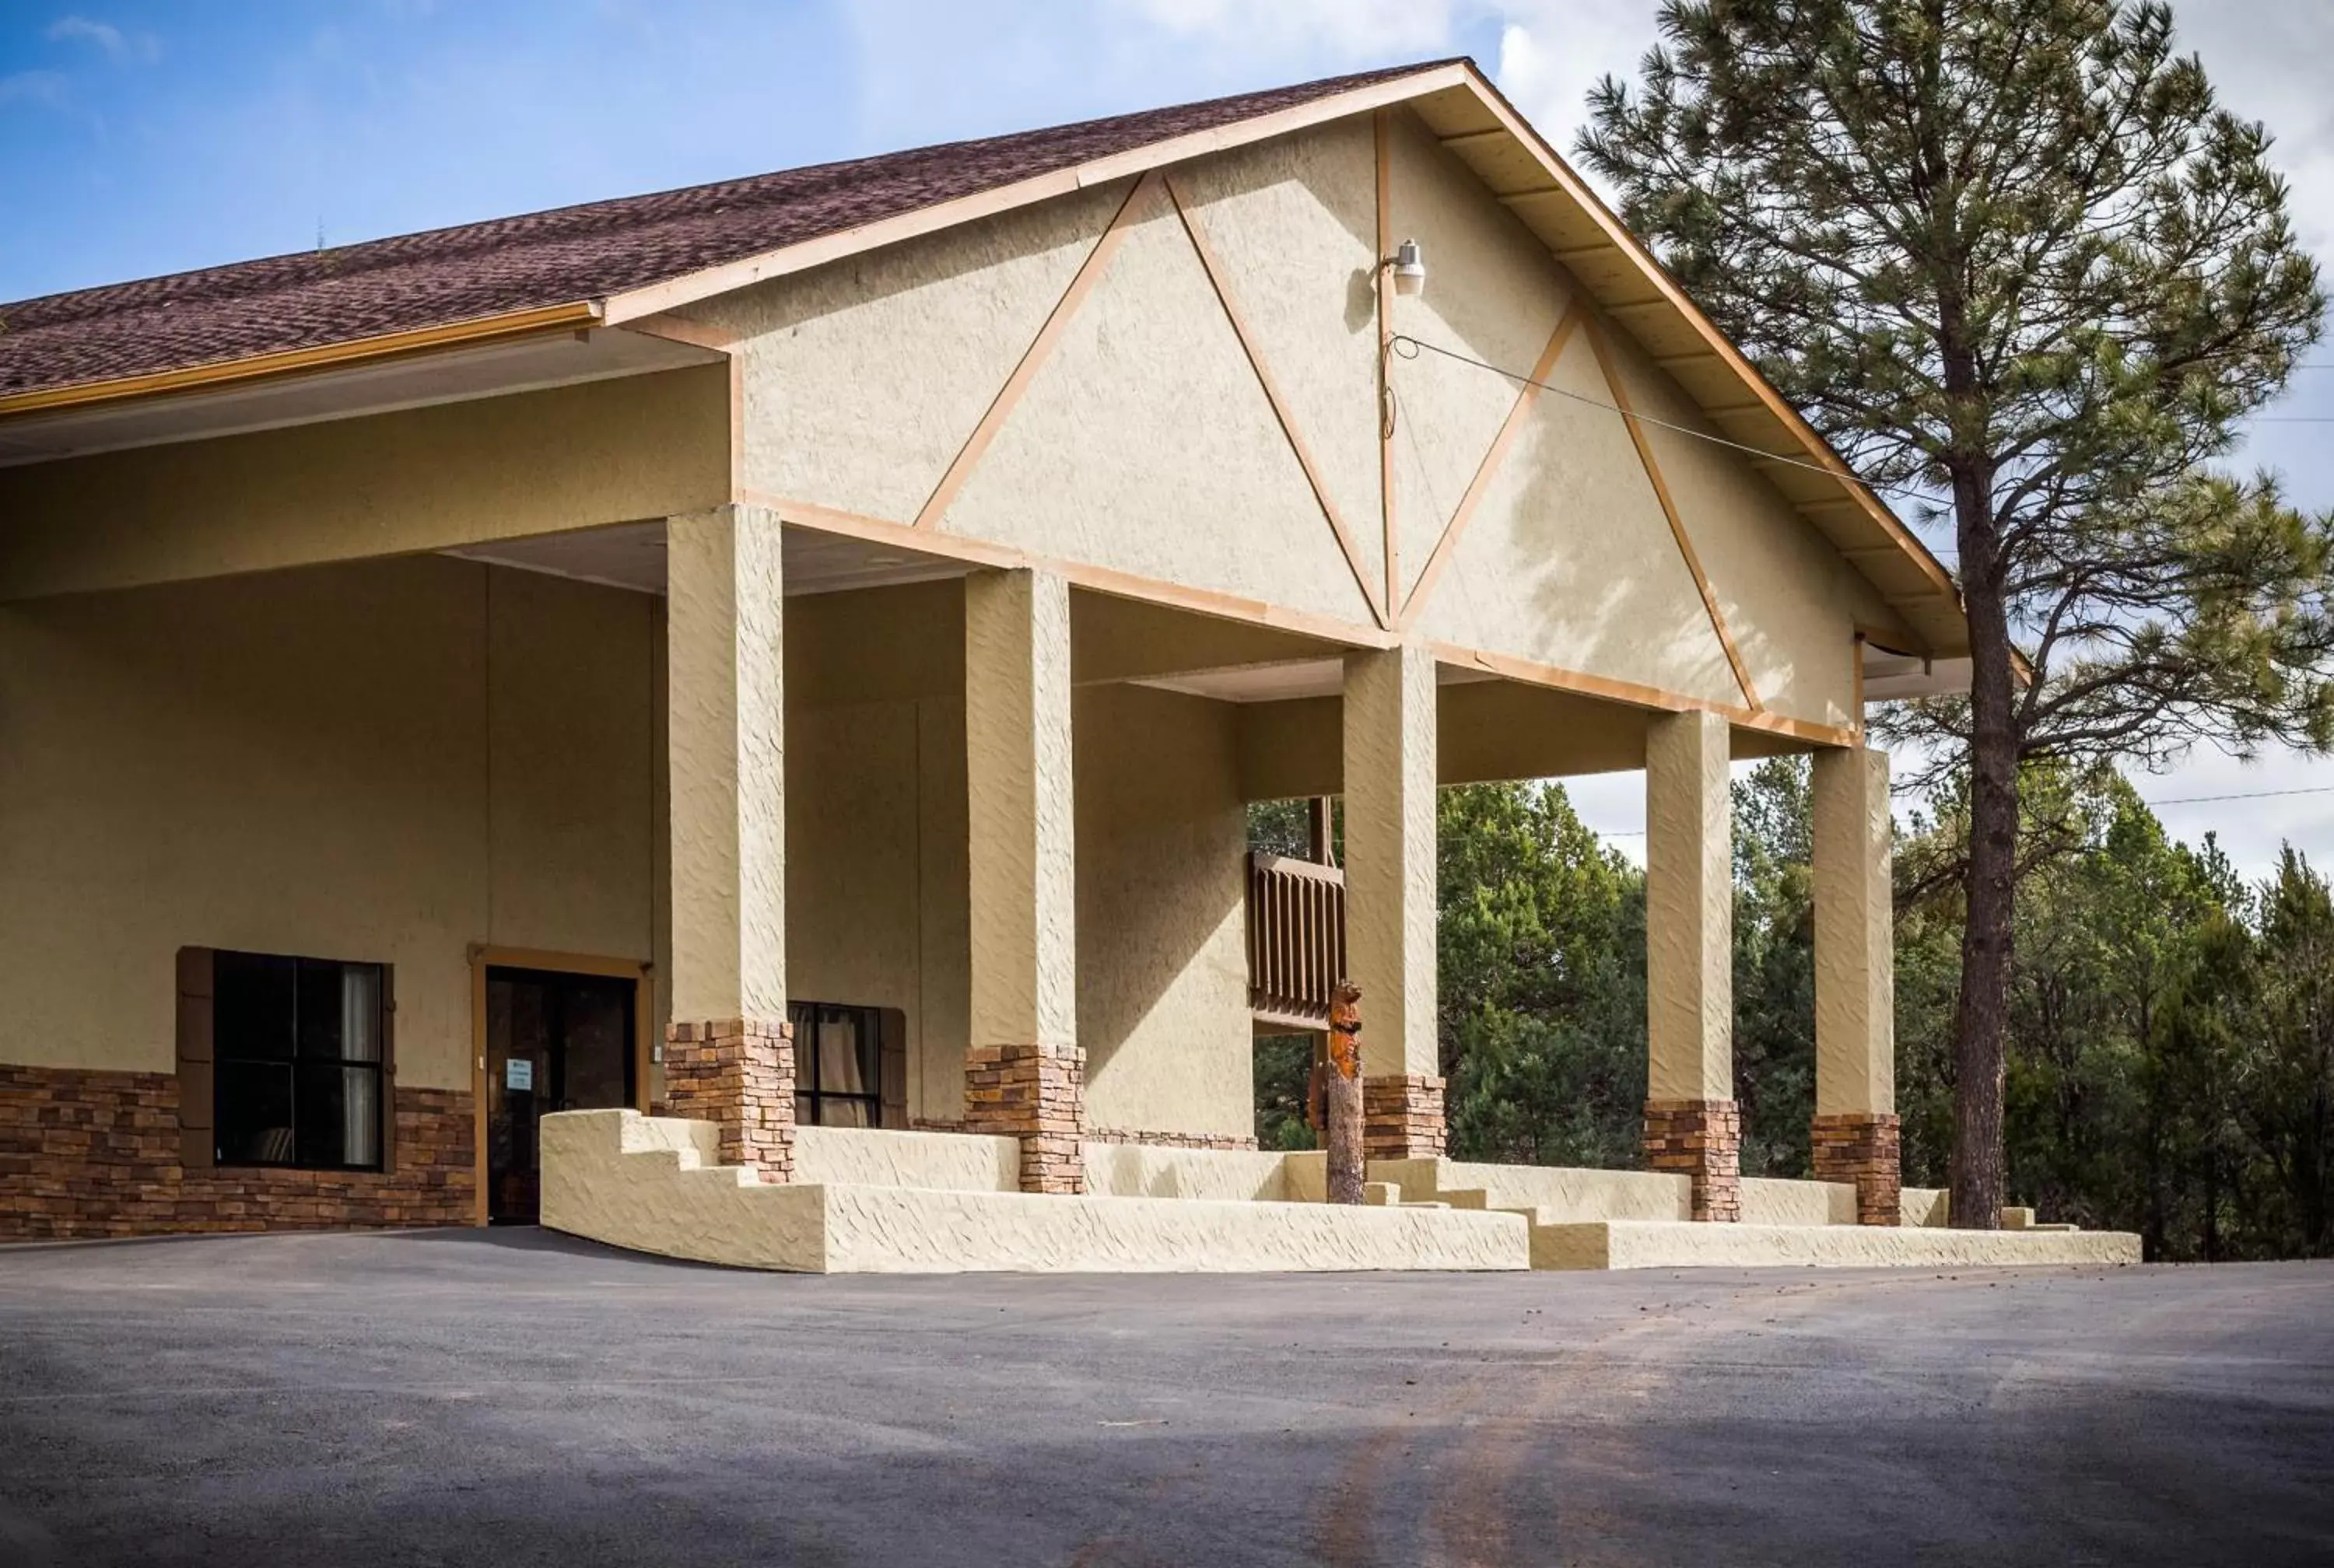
(553, 1043)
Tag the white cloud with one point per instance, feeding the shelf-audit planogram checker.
(1551, 52)
(117, 45)
(2261, 57)
(1372, 31)
(33, 87)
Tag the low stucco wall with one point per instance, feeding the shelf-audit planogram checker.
(942, 1161)
(1637, 1243)
(1559, 1194)
(1923, 1205)
(646, 1183)
(1152, 1170)
(897, 1230)
(651, 1183)
(1771, 1200)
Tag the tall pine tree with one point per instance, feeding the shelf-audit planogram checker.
(2012, 255)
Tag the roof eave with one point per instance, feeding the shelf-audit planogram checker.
(676, 294)
(573, 316)
(1938, 599)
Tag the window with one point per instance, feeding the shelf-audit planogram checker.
(298, 1057)
(838, 1064)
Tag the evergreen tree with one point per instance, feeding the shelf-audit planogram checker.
(2010, 252)
(1542, 1008)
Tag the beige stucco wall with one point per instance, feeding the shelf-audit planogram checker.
(632, 1181)
(875, 1156)
(1688, 910)
(381, 762)
(1637, 1243)
(1923, 1205)
(1855, 933)
(1771, 1200)
(1388, 740)
(1162, 967)
(1152, 1170)
(878, 873)
(1556, 1193)
(724, 730)
(1144, 443)
(876, 837)
(1790, 598)
(613, 451)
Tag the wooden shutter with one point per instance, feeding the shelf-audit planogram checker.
(196, 1140)
(388, 1068)
(891, 1033)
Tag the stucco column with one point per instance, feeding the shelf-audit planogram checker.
(1025, 1072)
(729, 1053)
(1390, 889)
(1855, 1131)
(1691, 1121)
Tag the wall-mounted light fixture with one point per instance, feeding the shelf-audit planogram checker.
(1408, 263)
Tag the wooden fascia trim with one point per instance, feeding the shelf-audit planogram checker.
(715, 339)
(1856, 684)
(1634, 695)
(681, 330)
(982, 552)
(581, 314)
(1571, 185)
(1380, 609)
(1614, 383)
(1485, 471)
(1382, 145)
(631, 304)
(1132, 210)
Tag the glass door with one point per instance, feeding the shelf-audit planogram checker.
(554, 1042)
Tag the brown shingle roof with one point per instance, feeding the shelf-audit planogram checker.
(314, 298)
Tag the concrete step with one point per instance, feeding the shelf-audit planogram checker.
(1467, 1198)
(1686, 1244)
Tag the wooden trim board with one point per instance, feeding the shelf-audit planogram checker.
(1233, 607)
(1612, 382)
(1379, 607)
(1381, 137)
(1132, 210)
(1488, 468)
(546, 320)
(485, 957)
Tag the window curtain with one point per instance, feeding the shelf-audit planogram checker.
(841, 1070)
(360, 1086)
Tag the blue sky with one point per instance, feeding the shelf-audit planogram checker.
(139, 138)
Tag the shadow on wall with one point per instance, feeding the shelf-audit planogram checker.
(1163, 979)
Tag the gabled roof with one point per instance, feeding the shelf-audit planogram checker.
(609, 261)
(570, 255)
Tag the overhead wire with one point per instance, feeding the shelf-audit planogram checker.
(2151, 804)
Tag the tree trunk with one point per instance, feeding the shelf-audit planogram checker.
(1983, 1017)
(1344, 1094)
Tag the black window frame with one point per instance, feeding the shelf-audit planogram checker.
(805, 1018)
(237, 1048)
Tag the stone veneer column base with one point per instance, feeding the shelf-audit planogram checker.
(1702, 1139)
(95, 1152)
(1036, 1094)
(737, 1073)
(1401, 1118)
(1867, 1149)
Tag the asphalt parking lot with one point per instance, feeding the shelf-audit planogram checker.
(514, 1398)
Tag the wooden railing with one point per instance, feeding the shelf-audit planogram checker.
(1295, 940)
